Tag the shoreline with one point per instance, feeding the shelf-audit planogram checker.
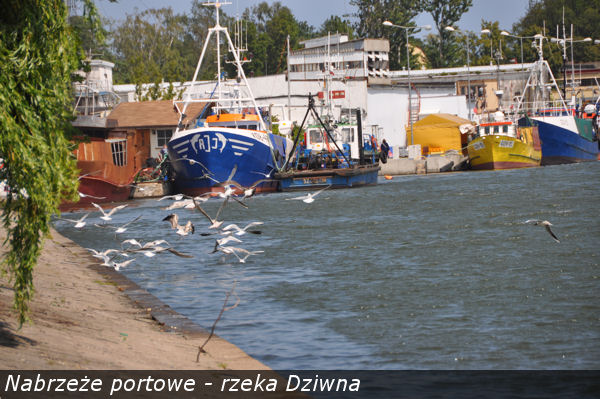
(87, 316)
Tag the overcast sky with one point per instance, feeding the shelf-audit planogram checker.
(315, 12)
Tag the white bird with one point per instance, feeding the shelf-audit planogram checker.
(214, 223)
(544, 223)
(132, 242)
(121, 265)
(248, 191)
(236, 251)
(192, 162)
(120, 229)
(310, 197)
(79, 223)
(157, 249)
(176, 197)
(82, 195)
(181, 230)
(225, 240)
(104, 254)
(187, 203)
(135, 243)
(242, 231)
(266, 175)
(107, 216)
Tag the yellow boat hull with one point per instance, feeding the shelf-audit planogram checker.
(504, 152)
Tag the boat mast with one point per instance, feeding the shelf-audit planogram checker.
(218, 29)
(538, 83)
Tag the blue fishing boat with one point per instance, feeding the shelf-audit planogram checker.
(229, 140)
(565, 137)
(335, 155)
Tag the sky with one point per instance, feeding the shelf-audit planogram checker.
(506, 12)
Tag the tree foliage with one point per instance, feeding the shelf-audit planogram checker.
(372, 13)
(335, 24)
(582, 14)
(441, 49)
(38, 54)
(147, 47)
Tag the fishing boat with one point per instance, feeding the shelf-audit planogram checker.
(335, 155)
(501, 144)
(565, 137)
(230, 140)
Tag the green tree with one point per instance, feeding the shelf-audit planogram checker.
(582, 14)
(442, 50)
(147, 47)
(335, 24)
(38, 54)
(372, 13)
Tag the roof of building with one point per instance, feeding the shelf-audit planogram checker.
(148, 114)
(441, 119)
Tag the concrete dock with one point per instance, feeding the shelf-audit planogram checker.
(424, 165)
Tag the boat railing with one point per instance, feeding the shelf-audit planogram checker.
(548, 109)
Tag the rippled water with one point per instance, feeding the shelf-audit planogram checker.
(420, 272)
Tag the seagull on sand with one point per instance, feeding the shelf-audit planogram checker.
(242, 231)
(544, 223)
(181, 230)
(310, 197)
(107, 216)
(120, 229)
(79, 223)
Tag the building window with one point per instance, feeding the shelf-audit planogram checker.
(163, 136)
(119, 152)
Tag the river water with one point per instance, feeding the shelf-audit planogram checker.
(419, 272)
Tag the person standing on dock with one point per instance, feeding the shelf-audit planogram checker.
(385, 149)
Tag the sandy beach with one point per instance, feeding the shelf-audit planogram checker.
(87, 316)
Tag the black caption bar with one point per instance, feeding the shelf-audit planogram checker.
(301, 383)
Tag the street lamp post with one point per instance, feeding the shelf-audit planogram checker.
(453, 29)
(407, 29)
(563, 43)
(489, 32)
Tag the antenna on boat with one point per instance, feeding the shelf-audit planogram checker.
(217, 30)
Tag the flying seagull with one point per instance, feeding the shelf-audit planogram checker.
(215, 224)
(181, 230)
(544, 223)
(79, 223)
(242, 231)
(107, 216)
(237, 251)
(248, 191)
(121, 265)
(120, 229)
(310, 197)
(82, 195)
(176, 197)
